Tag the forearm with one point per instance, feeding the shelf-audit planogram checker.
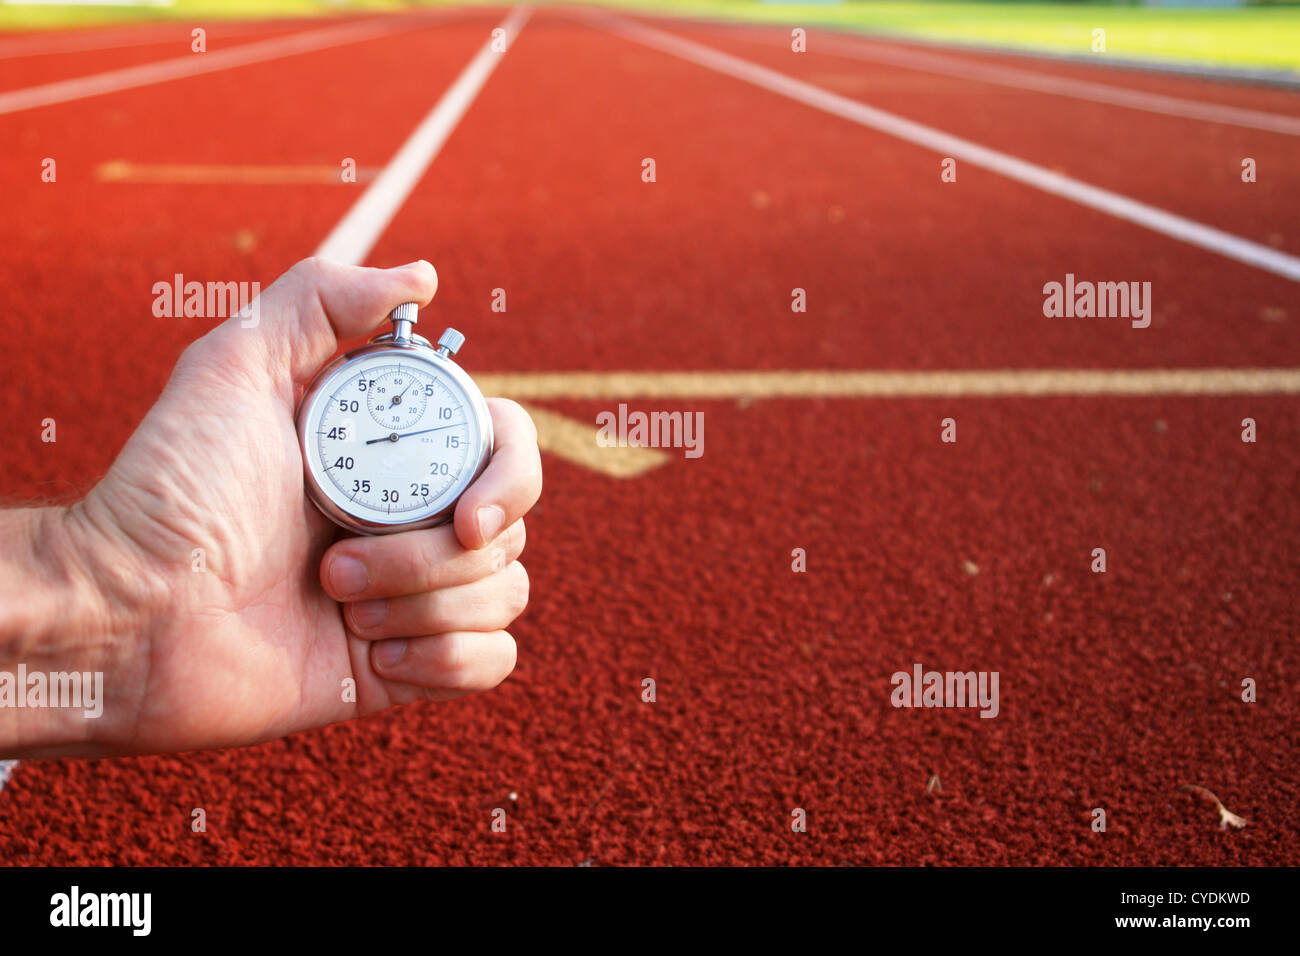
(59, 633)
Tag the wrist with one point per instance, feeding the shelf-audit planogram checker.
(69, 615)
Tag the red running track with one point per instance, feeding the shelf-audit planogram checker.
(773, 687)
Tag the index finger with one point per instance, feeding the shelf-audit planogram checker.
(511, 483)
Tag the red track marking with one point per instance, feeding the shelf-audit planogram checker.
(1187, 167)
(772, 687)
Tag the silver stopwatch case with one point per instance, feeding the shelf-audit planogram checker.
(410, 347)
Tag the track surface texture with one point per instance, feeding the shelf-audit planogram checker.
(773, 687)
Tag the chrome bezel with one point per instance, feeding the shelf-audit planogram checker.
(419, 350)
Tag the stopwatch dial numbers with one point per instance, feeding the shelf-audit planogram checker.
(387, 457)
(397, 398)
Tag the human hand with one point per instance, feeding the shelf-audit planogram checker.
(255, 645)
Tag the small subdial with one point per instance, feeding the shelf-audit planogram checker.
(396, 398)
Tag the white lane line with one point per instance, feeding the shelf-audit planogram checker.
(870, 52)
(92, 40)
(82, 41)
(355, 235)
(839, 383)
(193, 64)
(945, 144)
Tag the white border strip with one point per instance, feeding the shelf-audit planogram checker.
(356, 234)
(194, 64)
(945, 144)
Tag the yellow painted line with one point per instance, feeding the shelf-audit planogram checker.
(121, 171)
(575, 442)
(880, 384)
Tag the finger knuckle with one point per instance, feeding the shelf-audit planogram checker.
(456, 665)
(308, 268)
(512, 408)
(509, 659)
(516, 538)
(425, 613)
(528, 420)
(518, 590)
(412, 566)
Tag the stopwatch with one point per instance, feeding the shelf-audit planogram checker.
(394, 432)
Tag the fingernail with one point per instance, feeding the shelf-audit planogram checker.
(348, 576)
(388, 654)
(490, 520)
(369, 613)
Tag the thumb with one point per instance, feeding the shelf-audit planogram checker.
(300, 318)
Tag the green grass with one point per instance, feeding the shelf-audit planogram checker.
(1256, 36)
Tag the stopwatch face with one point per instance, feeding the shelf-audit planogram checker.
(391, 437)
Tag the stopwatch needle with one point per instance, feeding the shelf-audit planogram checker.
(398, 399)
(395, 437)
